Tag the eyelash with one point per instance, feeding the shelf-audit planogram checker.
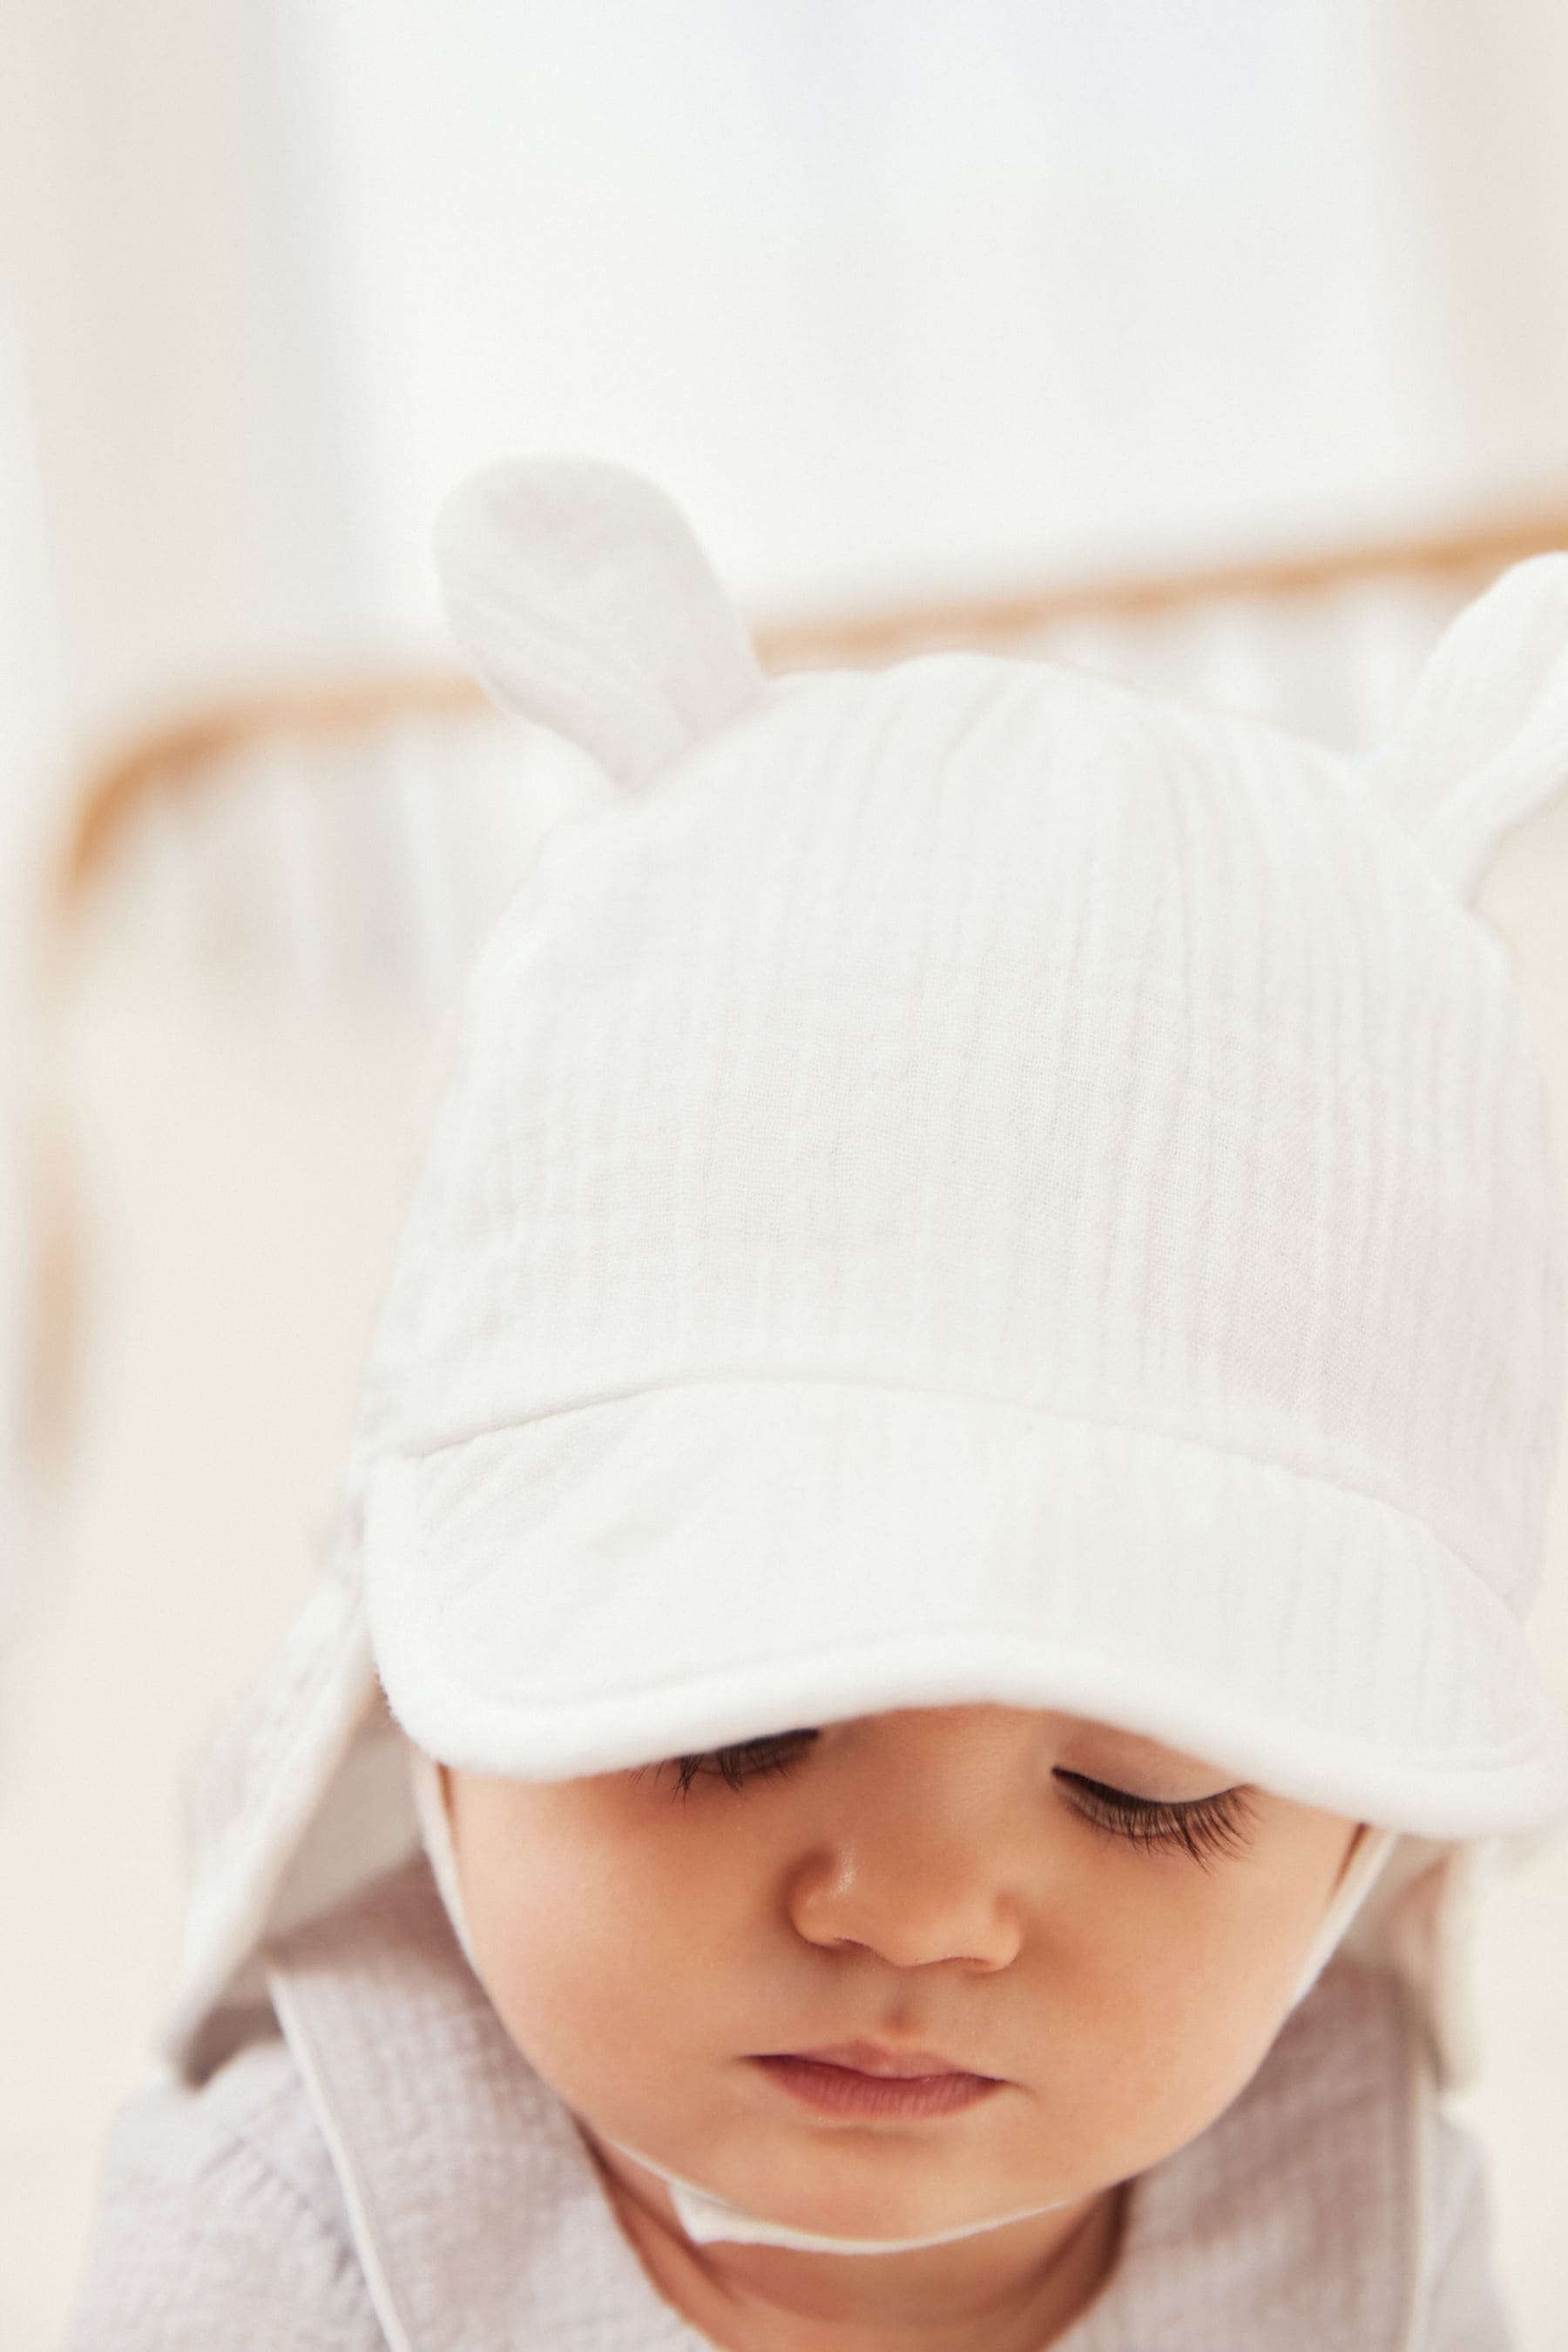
(1204, 1827)
(748, 1760)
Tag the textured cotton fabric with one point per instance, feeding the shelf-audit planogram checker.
(316, 2194)
(1053, 1180)
(1050, 1182)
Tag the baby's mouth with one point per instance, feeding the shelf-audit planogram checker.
(861, 2078)
(873, 2058)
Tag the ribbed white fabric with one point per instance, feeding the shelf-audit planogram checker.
(706, 2218)
(971, 1181)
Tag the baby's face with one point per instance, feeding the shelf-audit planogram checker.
(1074, 1912)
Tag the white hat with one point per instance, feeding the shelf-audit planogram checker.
(964, 1181)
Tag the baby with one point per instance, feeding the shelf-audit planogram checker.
(922, 1653)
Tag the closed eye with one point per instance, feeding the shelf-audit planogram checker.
(1208, 1828)
(743, 1761)
(1205, 1828)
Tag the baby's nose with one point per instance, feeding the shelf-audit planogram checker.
(910, 1893)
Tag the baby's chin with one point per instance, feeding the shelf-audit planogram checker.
(885, 2188)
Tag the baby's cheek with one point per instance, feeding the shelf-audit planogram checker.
(590, 1956)
(1178, 2023)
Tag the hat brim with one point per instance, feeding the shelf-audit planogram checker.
(671, 1571)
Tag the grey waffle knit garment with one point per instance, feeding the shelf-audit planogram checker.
(311, 2196)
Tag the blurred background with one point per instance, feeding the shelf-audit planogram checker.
(1225, 347)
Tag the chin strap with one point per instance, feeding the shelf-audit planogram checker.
(436, 1829)
(706, 2218)
(1361, 1872)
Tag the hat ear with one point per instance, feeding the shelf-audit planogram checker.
(1484, 739)
(581, 599)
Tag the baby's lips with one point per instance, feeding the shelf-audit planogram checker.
(871, 2058)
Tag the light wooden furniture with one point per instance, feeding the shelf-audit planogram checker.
(1423, 573)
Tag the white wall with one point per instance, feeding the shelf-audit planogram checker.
(1483, 85)
(138, 262)
(890, 297)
